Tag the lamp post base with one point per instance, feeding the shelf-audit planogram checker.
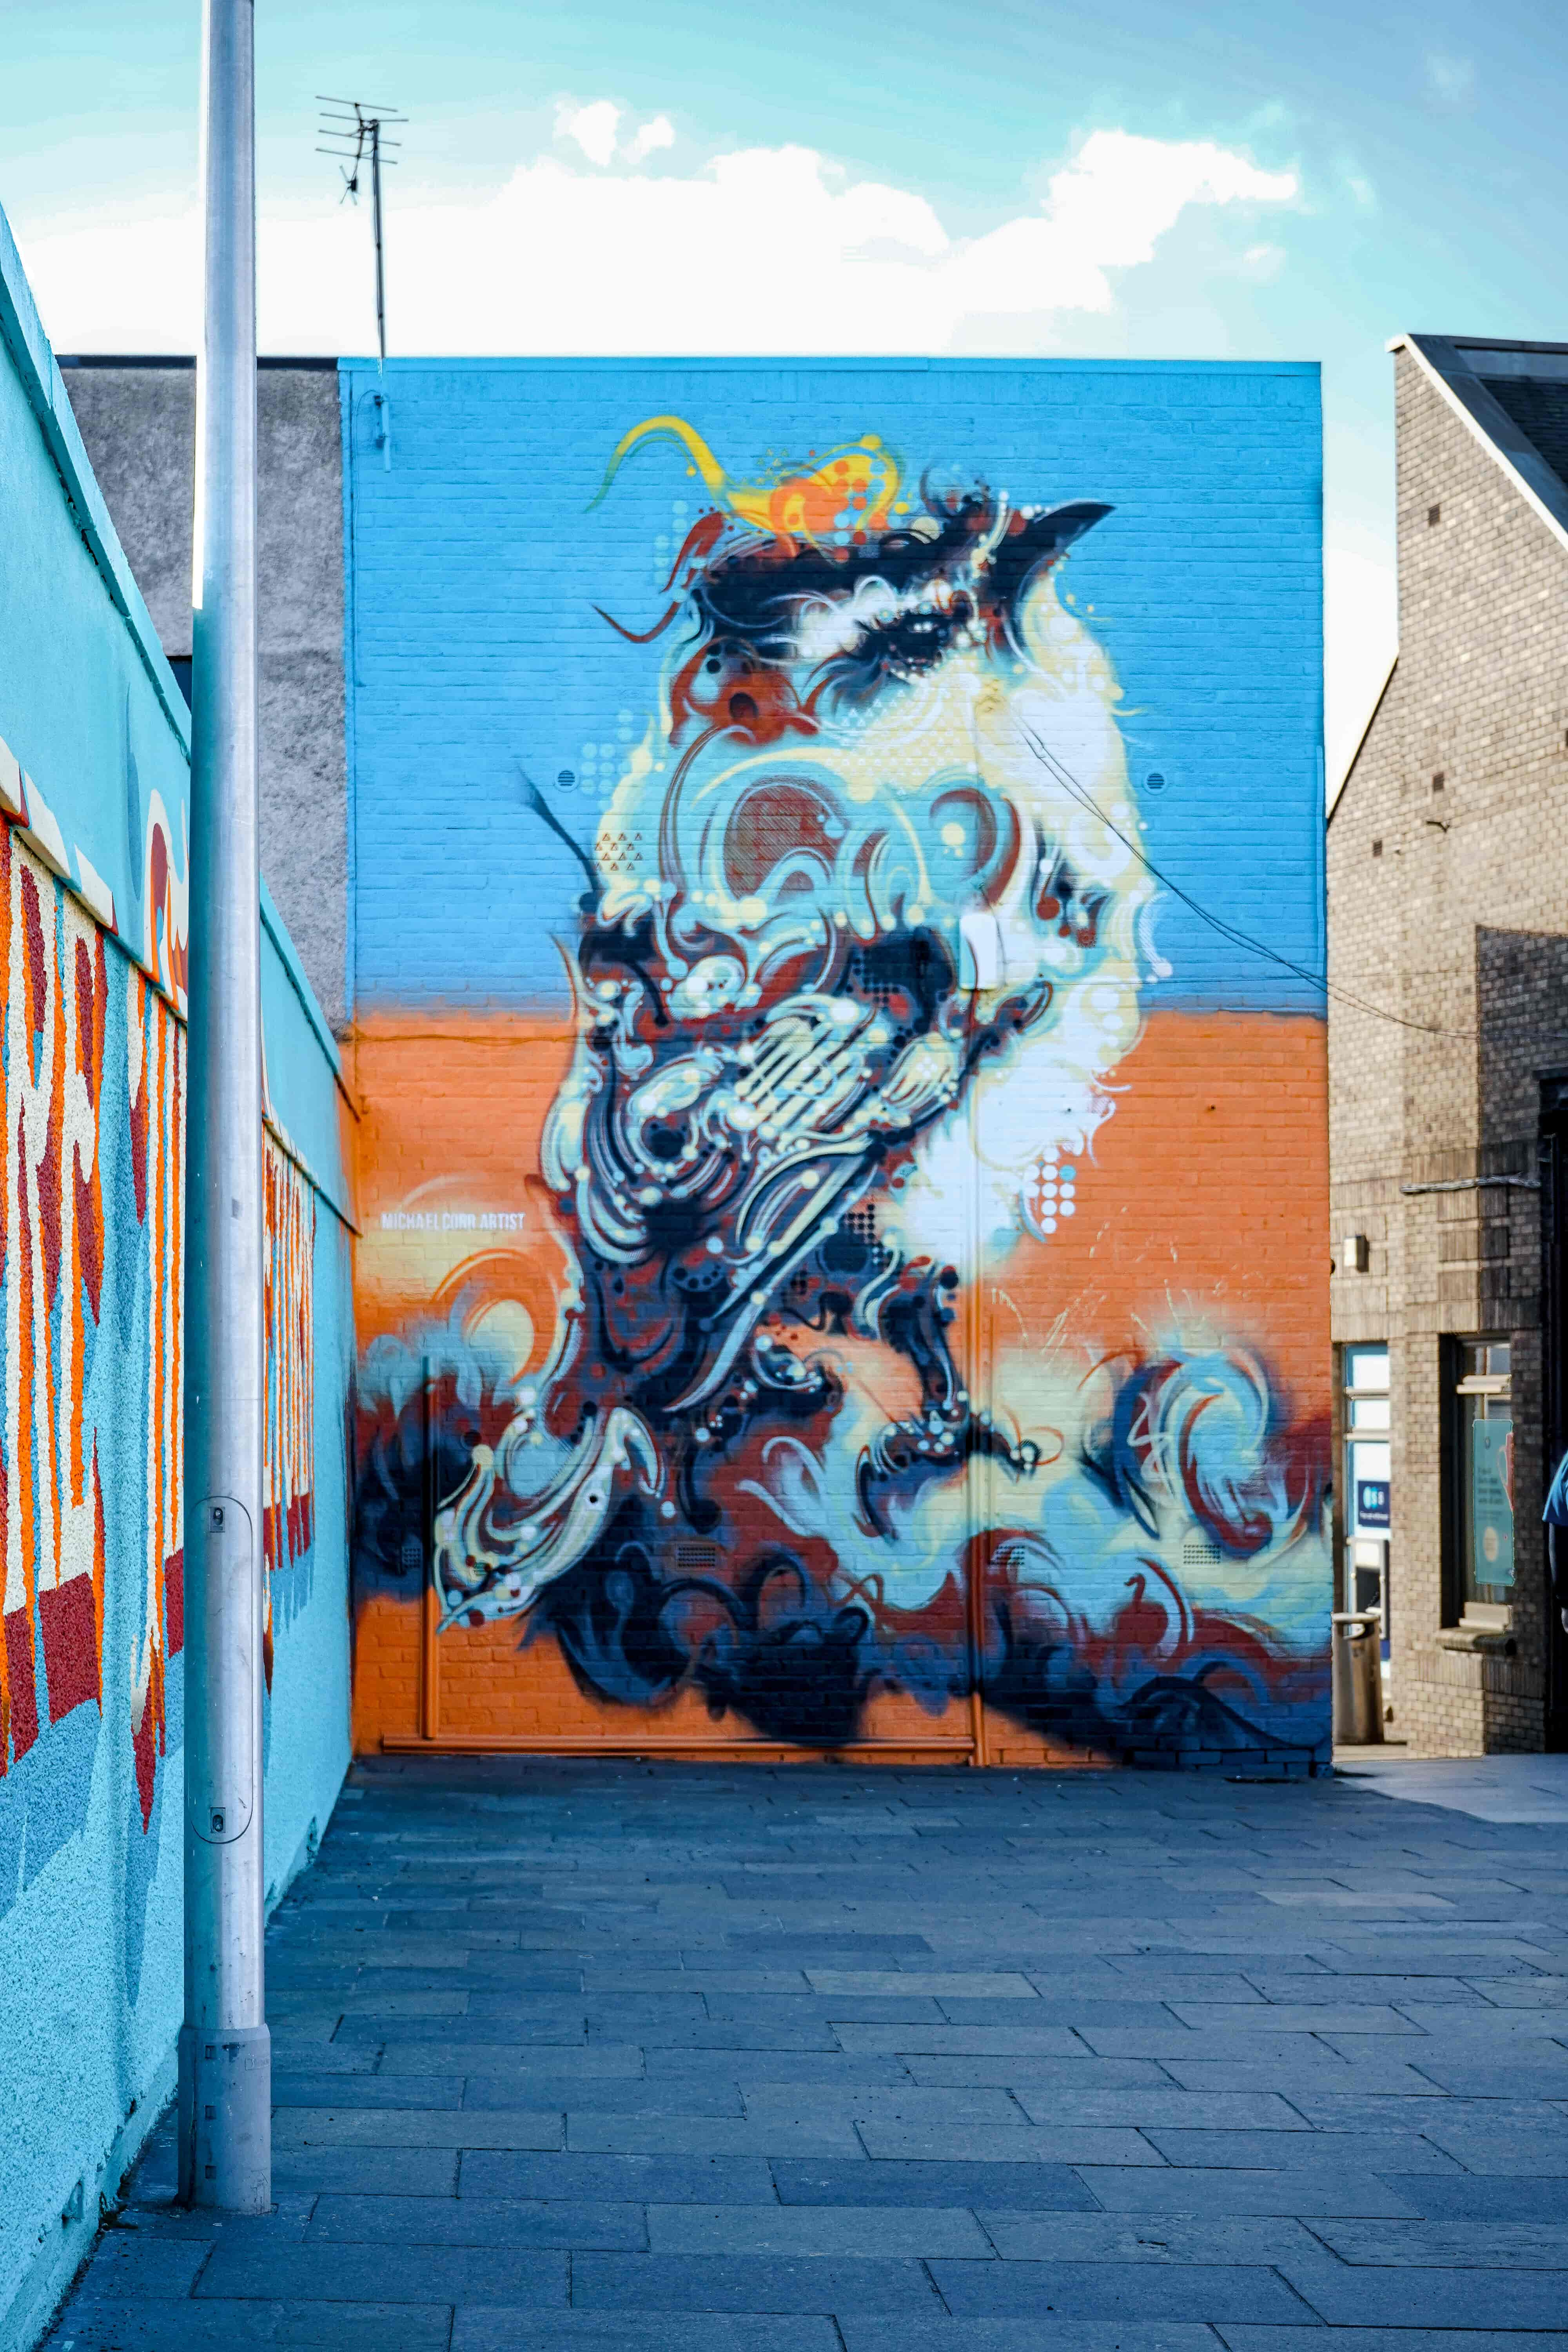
(225, 2116)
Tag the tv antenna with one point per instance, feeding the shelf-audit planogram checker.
(352, 128)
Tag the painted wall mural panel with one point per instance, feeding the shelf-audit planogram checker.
(89, 1277)
(92, 1264)
(879, 1306)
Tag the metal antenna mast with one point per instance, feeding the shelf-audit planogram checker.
(352, 128)
(225, 2075)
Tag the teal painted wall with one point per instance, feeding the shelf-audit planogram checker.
(94, 772)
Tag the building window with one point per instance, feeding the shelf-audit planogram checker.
(1369, 1489)
(1483, 1468)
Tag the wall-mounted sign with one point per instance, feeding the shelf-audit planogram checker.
(1372, 1502)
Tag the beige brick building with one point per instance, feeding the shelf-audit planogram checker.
(1447, 869)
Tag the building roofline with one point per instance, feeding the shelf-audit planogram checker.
(1338, 791)
(1445, 360)
(185, 360)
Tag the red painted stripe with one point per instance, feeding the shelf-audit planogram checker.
(19, 1676)
(71, 1645)
(175, 1600)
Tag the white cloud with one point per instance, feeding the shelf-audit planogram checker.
(655, 134)
(761, 249)
(1450, 79)
(593, 127)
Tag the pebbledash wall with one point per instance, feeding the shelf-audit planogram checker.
(94, 768)
(836, 951)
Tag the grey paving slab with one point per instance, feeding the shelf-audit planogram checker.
(1503, 2147)
(477, 2221)
(387, 2274)
(287, 2221)
(762, 2135)
(637, 2180)
(1386, 2111)
(795, 2230)
(1016, 2187)
(1464, 2197)
(367, 2091)
(957, 1986)
(1174, 2109)
(147, 2326)
(1276, 2016)
(1004, 2144)
(1443, 2246)
(1189, 2188)
(414, 2128)
(741, 2060)
(1389, 2339)
(822, 2283)
(563, 2028)
(610, 2095)
(1372, 2151)
(1213, 1980)
(806, 2034)
(380, 2003)
(794, 2009)
(1181, 2044)
(1312, 2069)
(1077, 2075)
(1112, 2290)
(595, 2331)
(1497, 2078)
(758, 2069)
(365, 2172)
(937, 2037)
(133, 2263)
(1047, 2332)
(582, 2062)
(1406, 2297)
(826, 1950)
(904, 2103)
(1117, 2238)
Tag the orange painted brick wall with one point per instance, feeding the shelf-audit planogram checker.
(1201, 1215)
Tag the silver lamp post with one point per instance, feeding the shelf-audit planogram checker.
(225, 2157)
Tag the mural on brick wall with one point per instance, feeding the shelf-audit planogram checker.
(783, 1406)
(288, 1450)
(91, 1443)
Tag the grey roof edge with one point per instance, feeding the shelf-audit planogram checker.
(1382, 696)
(1446, 360)
(23, 332)
(185, 362)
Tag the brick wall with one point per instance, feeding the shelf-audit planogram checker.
(1020, 1449)
(1447, 877)
(138, 421)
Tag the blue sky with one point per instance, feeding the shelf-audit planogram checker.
(1293, 182)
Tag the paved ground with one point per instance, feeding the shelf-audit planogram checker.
(689, 2060)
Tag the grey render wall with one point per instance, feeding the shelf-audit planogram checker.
(138, 421)
(1459, 924)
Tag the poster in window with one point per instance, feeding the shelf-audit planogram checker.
(1491, 1499)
